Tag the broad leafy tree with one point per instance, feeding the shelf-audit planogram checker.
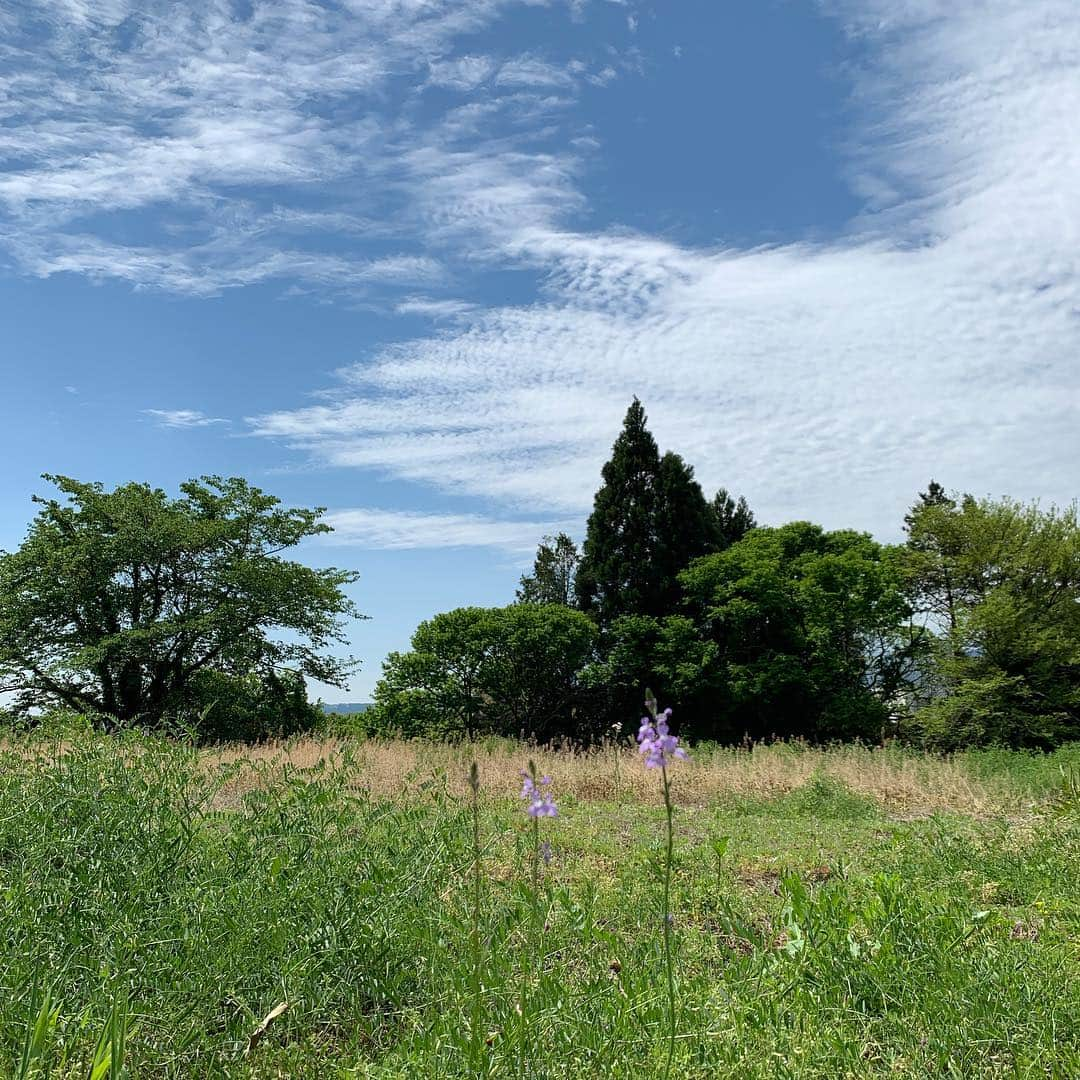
(506, 671)
(934, 527)
(807, 631)
(999, 583)
(124, 602)
(552, 580)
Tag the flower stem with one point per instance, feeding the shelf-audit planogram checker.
(667, 924)
(476, 1041)
(530, 945)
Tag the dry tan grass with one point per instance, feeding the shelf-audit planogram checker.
(900, 783)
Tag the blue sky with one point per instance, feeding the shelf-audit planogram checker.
(410, 259)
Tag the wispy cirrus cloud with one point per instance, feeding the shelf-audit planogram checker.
(236, 145)
(396, 530)
(434, 308)
(463, 73)
(937, 336)
(184, 418)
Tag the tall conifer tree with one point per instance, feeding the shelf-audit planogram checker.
(685, 526)
(554, 571)
(733, 520)
(619, 572)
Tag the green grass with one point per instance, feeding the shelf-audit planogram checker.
(147, 925)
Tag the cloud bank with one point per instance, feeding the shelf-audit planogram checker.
(937, 336)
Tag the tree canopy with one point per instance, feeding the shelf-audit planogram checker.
(147, 608)
(733, 519)
(119, 602)
(650, 519)
(473, 670)
(554, 570)
(967, 633)
(619, 573)
(999, 584)
(807, 632)
(685, 527)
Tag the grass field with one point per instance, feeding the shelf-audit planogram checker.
(839, 913)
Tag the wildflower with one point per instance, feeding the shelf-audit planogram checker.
(660, 749)
(658, 745)
(540, 803)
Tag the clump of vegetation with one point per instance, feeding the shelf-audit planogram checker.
(203, 913)
(966, 635)
(509, 671)
(155, 612)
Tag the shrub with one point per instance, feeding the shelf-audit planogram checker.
(502, 671)
(225, 708)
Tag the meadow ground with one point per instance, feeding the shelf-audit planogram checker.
(837, 913)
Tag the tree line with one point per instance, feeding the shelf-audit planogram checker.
(966, 634)
(184, 613)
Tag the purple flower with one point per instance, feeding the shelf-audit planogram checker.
(658, 745)
(540, 803)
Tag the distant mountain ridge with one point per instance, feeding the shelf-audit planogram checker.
(345, 706)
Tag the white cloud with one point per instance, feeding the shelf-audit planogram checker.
(433, 308)
(938, 337)
(183, 418)
(393, 530)
(534, 71)
(463, 73)
(224, 263)
(248, 143)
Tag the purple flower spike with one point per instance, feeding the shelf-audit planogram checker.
(658, 746)
(540, 803)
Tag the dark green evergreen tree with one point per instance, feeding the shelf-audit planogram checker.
(732, 520)
(619, 572)
(685, 526)
(554, 569)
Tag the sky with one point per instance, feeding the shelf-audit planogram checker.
(410, 260)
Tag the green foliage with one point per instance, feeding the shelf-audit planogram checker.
(554, 571)
(152, 916)
(624, 666)
(999, 582)
(667, 654)
(685, 527)
(124, 880)
(119, 601)
(829, 799)
(619, 572)
(808, 634)
(488, 670)
(228, 708)
(650, 519)
(732, 520)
